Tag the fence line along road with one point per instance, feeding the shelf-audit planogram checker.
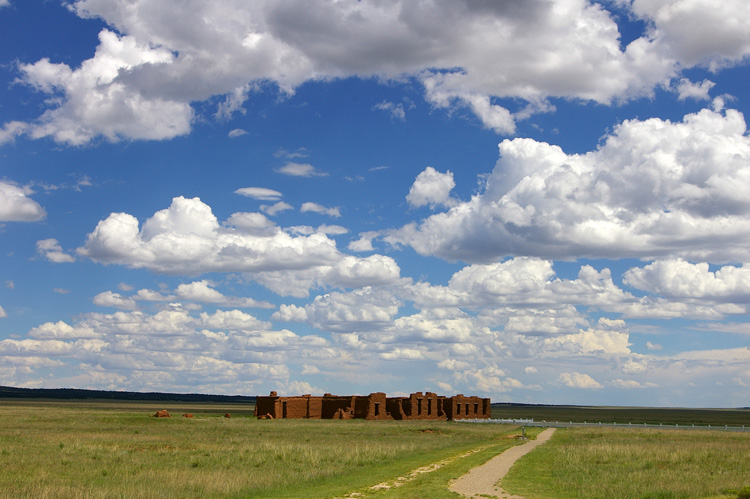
(585, 424)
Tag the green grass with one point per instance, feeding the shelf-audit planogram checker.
(117, 450)
(84, 449)
(635, 464)
(434, 485)
(636, 415)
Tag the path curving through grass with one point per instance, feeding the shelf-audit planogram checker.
(481, 481)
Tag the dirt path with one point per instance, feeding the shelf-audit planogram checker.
(480, 481)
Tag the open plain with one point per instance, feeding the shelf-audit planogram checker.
(116, 448)
(105, 449)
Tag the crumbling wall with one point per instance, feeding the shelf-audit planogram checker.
(418, 406)
(373, 407)
(462, 407)
(395, 407)
(336, 407)
(486, 409)
(376, 406)
(266, 406)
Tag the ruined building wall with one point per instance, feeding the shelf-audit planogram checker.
(462, 407)
(266, 406)
(304, 406)
(376, 406)
(417, 406)
(315, 407)
(373, 407)
(295, 407)
(486, 409)
(336, 407)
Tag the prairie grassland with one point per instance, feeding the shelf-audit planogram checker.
(85, 449)
(638, 464)
(635, 415)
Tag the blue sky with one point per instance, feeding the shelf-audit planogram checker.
(537, 201)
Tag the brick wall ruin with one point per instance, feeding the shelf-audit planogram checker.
(375, 406)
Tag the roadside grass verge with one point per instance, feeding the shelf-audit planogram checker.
(633, 464)
(88, 450)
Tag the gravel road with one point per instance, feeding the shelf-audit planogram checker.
(481, 481)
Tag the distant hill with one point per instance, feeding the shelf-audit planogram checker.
(76, 394)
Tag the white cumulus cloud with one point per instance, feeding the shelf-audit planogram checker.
(431, 188)
(349, 272)
(187, 238)
(224, 352)
(699, 31)
(579, 380)
(52, 251)
(115, 300)
(204, 292)
(654, 188)
(686, 89)
(94, 99)
(144, 76)
(679, 279)
(16, 206)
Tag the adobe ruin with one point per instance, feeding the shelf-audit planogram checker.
(375, 406)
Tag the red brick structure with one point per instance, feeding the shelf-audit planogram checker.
(376, 406)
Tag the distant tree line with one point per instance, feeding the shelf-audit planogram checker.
(78, 394)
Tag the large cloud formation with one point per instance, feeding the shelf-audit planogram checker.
(148, 69)
(226, 351)
(518, 314)
(187, 239)
(654, 189)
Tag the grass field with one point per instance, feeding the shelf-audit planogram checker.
(635, 415)
(115, 449)
(62, 449)
(634, 464)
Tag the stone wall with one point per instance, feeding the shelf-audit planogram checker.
(376, 406)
